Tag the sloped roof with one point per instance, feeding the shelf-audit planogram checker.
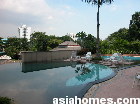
(69, 43)
(66, 45)
(67, 48)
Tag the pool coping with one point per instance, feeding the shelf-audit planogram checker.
(89, 85)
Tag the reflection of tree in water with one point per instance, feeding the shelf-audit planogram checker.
(73, 64)
(89, 71)
(84, 72)
(98, 68)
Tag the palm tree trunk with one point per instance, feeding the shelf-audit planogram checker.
(98, 25)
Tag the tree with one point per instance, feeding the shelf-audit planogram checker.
(1, 44)
(120, 46)
(65, 38)
(90, 43)
(81, 36)
(13, 47)
(98, 3)
(105, 46)
(24, 44)
(86, 41)
(134, 27)
(121, 33)
(134, 47)
(38, 41)
(12, 51)
(53, 41)
(117, 45)
(6, 100)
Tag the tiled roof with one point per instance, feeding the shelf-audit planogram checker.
(69, 43)
(67, 48)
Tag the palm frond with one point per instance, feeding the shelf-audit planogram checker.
(100, 2)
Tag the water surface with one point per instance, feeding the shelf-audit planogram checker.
(39, 83)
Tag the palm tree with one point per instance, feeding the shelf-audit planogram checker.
(98, 3)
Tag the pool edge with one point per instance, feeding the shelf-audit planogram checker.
(89, 85)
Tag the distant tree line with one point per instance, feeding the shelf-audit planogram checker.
(125, 41)
(39, 42)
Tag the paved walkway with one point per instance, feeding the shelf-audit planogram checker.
(118, 87)
(5, 61)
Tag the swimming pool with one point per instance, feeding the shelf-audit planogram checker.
(39, 83)
(89, 73)
(131, 58)
(126, 57)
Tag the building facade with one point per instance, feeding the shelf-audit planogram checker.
(24, 32)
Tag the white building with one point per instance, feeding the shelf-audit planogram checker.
(24, 32)
(72, 35)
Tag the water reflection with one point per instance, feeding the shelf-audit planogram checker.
(82, 69)
(47, 80)
(41, 83)
(88, 73)
(31, 67)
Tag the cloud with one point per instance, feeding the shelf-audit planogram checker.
(17, 18)
(67, 7)
(25, 9)
(51, 28)
(6, 30)
(32, 10)
(34, 7)
(50, 17)
(32, 13)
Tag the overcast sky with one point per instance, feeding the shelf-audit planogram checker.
(59, 17)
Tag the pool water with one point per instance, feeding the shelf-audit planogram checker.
(39, 83)
(126, 58)
(89, 73)
(131, 58)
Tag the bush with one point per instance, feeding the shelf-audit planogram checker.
(5, 100)
(97, 58)
(12, 52)
(83, 51)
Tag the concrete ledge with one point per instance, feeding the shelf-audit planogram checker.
(30, 56)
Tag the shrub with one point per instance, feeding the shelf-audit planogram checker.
(5, 100)
(97, 58)
(83, 51)
(12, 52)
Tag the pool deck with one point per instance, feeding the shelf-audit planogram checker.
(118, 87)
(7, 61)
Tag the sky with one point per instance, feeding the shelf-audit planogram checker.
(59, 17)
